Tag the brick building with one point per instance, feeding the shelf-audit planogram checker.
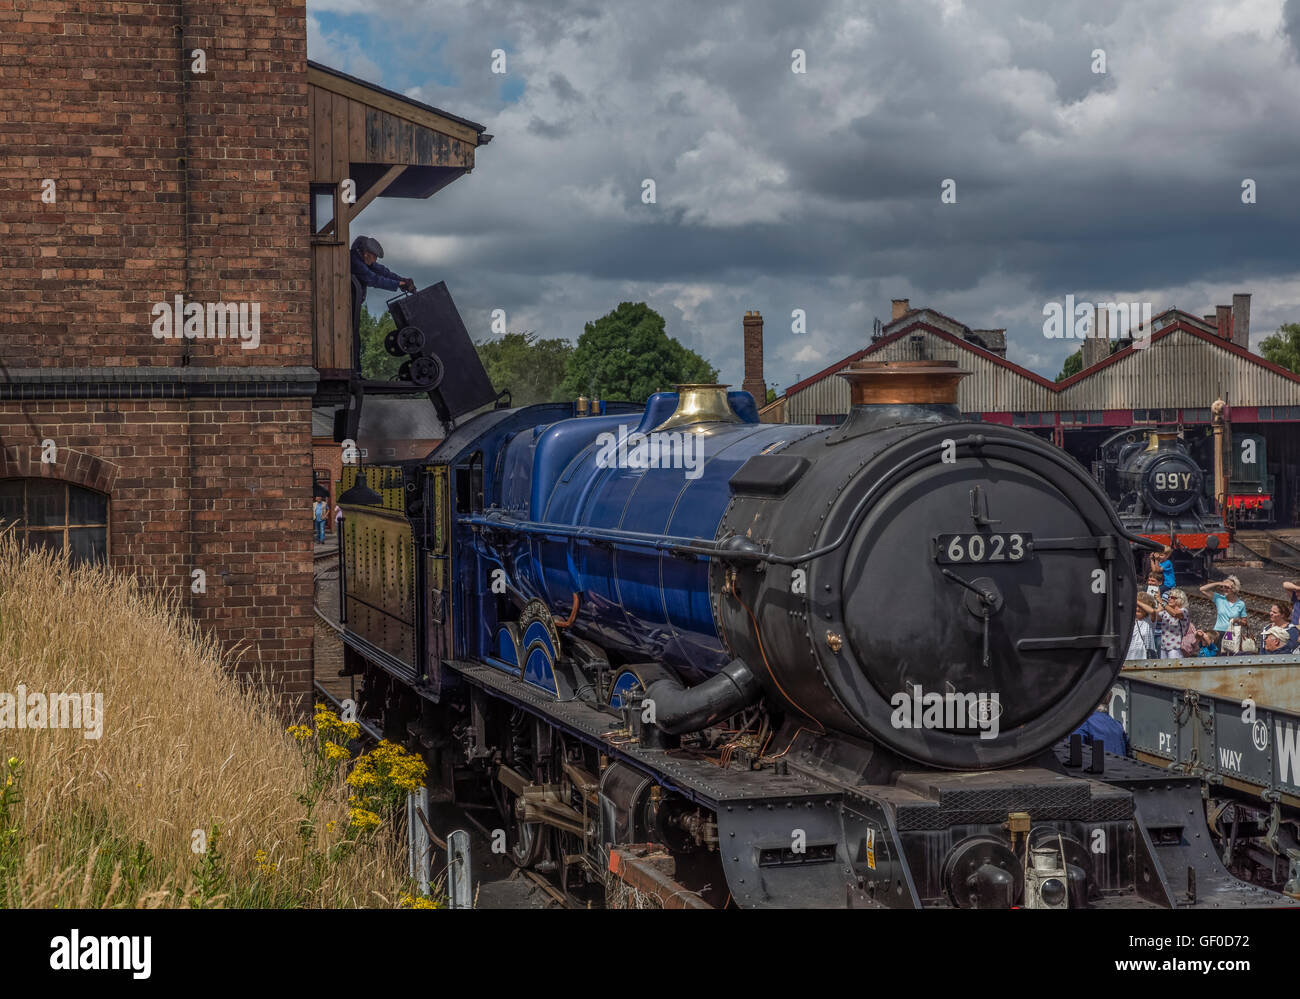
(128, 178)
(175, 296)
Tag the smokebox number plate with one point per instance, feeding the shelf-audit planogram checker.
(967, 549)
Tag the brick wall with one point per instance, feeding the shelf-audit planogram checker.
(168, 182)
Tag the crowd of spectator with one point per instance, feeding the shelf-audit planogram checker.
(1163, 627)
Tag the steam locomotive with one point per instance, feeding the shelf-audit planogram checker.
(713, 661)
(1160, 493)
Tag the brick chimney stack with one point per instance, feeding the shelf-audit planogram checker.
(1096, 347)
(1241, 320)
(754, 383)
(900, 308)
(1223, 321)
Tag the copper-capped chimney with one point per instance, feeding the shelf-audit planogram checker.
(891, 392)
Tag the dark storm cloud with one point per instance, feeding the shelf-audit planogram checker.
(563, 89)
(1291, 23)
(821, 191)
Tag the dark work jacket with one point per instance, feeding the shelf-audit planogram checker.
(374, 276)
(1102, 726)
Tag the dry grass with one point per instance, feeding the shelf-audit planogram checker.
(185, 746)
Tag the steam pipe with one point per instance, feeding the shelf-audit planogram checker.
(679, 709)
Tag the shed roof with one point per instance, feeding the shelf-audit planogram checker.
(320, 75)
(1179, 323)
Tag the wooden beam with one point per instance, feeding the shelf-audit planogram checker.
(322, 136)
(374, 190)
(392, 105)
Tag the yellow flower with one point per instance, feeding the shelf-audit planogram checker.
(330, 825)
(14, 763)
(416, 902)
(301, 733)
(334, 752)
(363, 818)
(362, 779)
(351, 729)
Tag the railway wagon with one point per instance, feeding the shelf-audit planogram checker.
(808, 666)
(1235, 723)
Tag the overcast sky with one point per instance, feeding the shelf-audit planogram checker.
(821, 191)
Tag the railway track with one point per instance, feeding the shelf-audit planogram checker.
(1272, 548)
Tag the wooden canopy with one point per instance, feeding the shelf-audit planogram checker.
(388, 146)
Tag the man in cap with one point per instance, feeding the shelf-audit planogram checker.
(366, 252)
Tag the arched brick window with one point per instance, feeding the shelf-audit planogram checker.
(57, 515)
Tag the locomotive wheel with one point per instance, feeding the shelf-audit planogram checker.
(525, 841)
(573, 879)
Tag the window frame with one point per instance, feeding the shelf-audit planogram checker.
(23, 529)
(330, 234)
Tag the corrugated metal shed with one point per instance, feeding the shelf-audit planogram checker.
(994, 384)
(1184, 366)
(1181, 368)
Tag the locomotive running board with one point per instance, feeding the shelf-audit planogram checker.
(781, 836)
(1180, 868)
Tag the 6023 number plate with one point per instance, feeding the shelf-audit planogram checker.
(966, 549)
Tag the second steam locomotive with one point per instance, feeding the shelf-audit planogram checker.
(1160, 493)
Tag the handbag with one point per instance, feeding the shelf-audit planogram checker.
(1190, 643)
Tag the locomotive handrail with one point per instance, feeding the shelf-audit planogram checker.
(741, 549)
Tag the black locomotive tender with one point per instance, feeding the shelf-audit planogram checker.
(835, 668)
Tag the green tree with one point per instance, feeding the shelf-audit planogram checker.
(771, 396)
(1283, 347)
(1073, 365)
(376, 362)
(627, 355)
(531, 368)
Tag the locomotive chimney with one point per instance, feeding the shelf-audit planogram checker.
(883, 393)
(753, 383)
